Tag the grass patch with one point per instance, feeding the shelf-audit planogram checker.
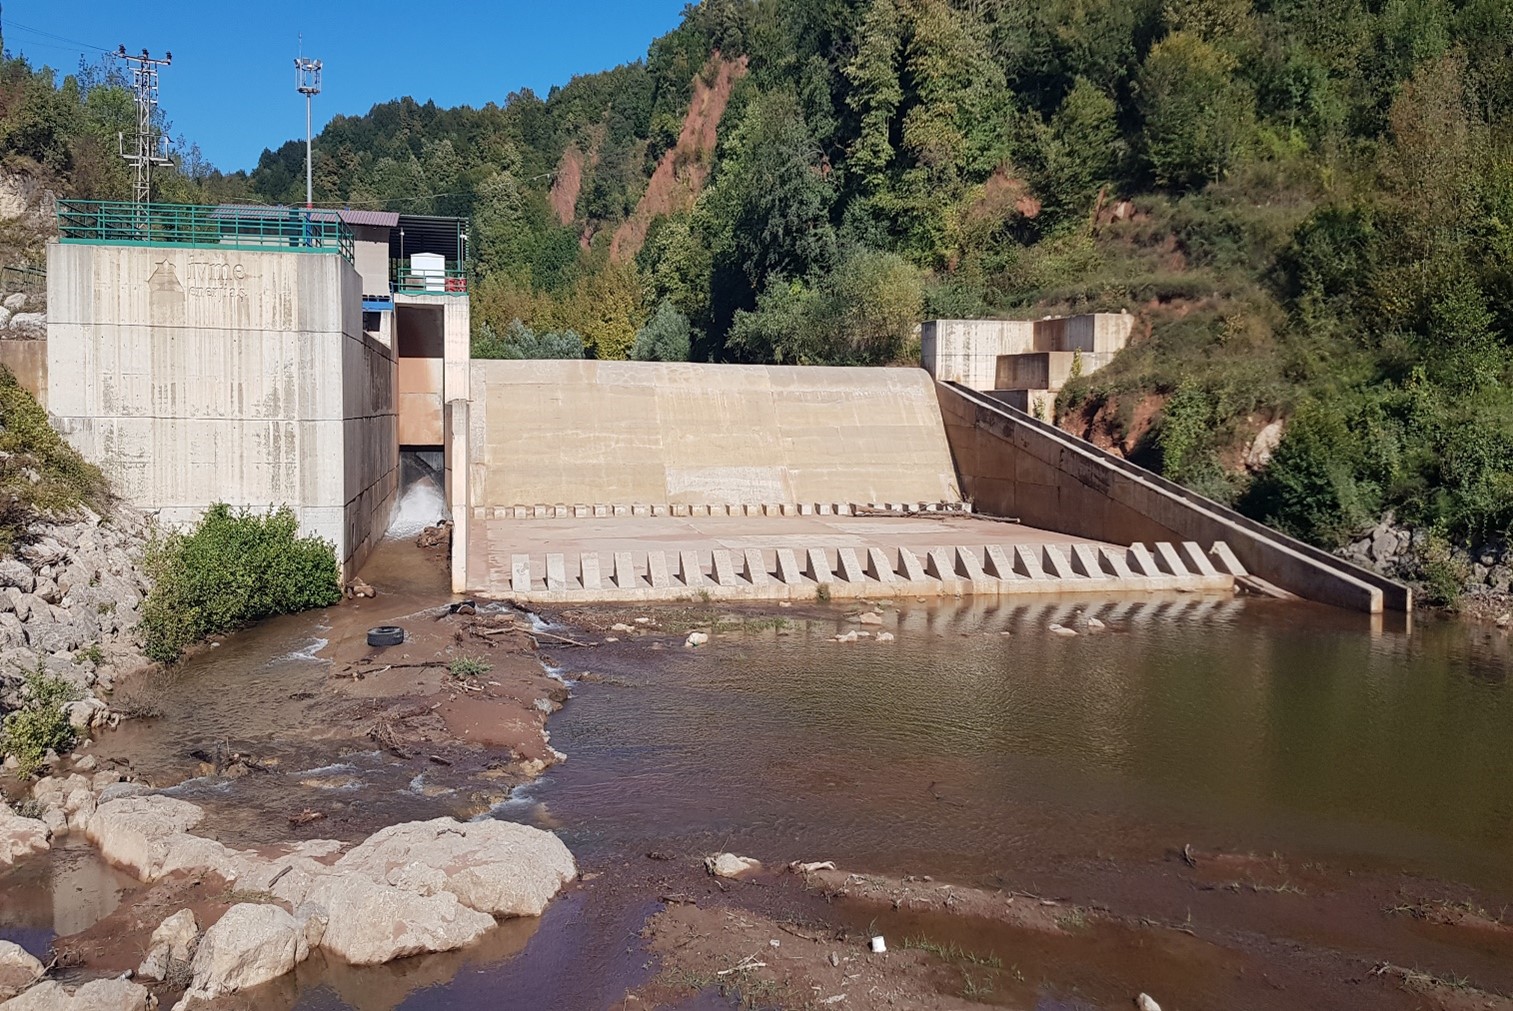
(952, 952)
(39, 472)
(39, 725)
(468, 667)
(233, 569)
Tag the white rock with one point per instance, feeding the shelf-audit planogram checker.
(847, 637)
(369, 923)
(21, 837)
(728, 865)
(1144, 1003)
(97, 995)
(15, 300)
(496, 867)
(620, 626)
(1056, 629)
(696, 639)
(18, 968)
(885, 637)
(171, 942)
(810, 868)
(1265, 445)
(251, 944)
(134, 832)
(1095, 624)
(870, 618)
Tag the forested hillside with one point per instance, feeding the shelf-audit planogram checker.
(1307, 203)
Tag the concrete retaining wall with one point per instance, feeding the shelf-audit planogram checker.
(1012, 465)
(966, 351)
(615, 433)
(28, 360)
(196, 376)
(873, 572)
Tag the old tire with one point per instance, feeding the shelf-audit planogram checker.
(386, 635)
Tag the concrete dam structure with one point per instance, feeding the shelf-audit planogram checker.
(271, 357)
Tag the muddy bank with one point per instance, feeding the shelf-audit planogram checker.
(280, 736)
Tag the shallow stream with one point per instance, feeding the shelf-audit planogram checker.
(976, 747)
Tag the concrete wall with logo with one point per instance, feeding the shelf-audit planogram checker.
(194, 376)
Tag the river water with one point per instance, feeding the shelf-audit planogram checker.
(980, 748)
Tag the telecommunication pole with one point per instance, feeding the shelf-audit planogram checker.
(144, 81)
(307, 81)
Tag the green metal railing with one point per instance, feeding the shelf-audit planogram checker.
(452, 281)
(262, 229)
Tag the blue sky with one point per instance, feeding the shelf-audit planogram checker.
(231, 85)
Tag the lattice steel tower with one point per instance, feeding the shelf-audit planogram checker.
(144, 81)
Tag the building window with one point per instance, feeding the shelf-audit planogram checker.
(371, 321)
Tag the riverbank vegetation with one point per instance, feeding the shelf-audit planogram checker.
(232, 569)
(40, 723)
(39, 472)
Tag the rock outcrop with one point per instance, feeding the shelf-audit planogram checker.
(406, 890)
(97, 995)
(172, 943)
(21, 837)
(69, 601)
(250, 944)
(496, 867)
(18, 969)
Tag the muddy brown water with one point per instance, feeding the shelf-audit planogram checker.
(1023, 760)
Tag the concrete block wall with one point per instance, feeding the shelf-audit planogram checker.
(194, 376)
(969, 351)
(1011, 465)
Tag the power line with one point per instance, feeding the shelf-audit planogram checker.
(144, 74)
(50, 35)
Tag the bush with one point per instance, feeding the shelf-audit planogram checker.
(233, 569)
(40, 725)
(519, 342)
(38, 471)
(666, 337)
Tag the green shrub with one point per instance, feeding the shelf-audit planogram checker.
(232, 569)
(1441, 576)
(469, 667)
(666, 337)
(40, 725)
(39, 471)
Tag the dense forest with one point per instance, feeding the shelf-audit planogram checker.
(1308, 206)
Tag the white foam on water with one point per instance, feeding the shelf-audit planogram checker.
(422, 505)
(308, 653)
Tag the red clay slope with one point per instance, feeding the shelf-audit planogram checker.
(681, 174)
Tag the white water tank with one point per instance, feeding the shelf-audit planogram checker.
(430, 269)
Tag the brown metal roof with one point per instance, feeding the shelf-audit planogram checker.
(373, 219)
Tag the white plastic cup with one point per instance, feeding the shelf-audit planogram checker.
(878, 945)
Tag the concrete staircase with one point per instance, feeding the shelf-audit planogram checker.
(789, 573)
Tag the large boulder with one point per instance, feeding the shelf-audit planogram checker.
(14, 572)
(98, 995)
(251, 944)
(369, 923)
(136, 832)
(496, 867)
(172, 941)
(20, 837)
(18, 968)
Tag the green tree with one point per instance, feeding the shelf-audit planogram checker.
(875, 93)
(666, 337)
(1198, 115)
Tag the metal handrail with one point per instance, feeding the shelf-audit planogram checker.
(452, 281)
(105, 222)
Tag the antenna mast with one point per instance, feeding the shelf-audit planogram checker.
(144, 79)
(307, 82)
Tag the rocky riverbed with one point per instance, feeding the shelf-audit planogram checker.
(70, 601)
